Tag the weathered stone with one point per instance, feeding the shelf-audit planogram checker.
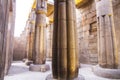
(50, 77)
(28, 62)
(108, 55)
(41, 68)
(87, 35)
(107, 73)
(7, 17)
(106, 38)
(116, 12)
(49, 41)
(64, 54)
(20, 52)
(39, 49)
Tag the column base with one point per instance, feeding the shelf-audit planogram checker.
(50, 77)
(106, 73)
(24, 59)
(28, 62)
(39, 68)
(49, 59)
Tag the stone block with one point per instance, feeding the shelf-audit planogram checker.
(107, 73)
(50, 77)
(39, 68)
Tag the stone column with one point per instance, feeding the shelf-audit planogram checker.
(31, 33)
(27, 40)
(32, 22)
(40, 25)
(49, 41)
(10, 37)
(29, 55)
(64, 53)
(107, 51)
(40, 55)
(4, 14)
(29, 46)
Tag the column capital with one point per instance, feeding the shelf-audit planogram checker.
(32, 22)
(41, 12)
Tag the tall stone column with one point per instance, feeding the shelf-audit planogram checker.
(31, 34)
(40, 55)
(29, 55)
(29, 46)
(49, 41)
(4, 14)
(107, 51)
(64, 52)
(40, 26)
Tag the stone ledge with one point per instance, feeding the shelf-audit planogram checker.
(50, 77)
(39, 68)
(106, 73)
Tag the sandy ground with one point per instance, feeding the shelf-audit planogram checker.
(19, 71)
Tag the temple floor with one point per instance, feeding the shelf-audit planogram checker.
(19, 71)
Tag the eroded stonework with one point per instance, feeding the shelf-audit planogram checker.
(87, 33)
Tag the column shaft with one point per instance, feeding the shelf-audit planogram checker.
(40, 31)
(54, 46)
(29, 46)
(71, 44)
(31, 34)
(37, 45)
(64, 41)
(106, 37)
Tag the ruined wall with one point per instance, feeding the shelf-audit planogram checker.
(19, 52)
(116, 11)
(87, 33)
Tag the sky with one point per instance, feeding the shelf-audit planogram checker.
(23, 8)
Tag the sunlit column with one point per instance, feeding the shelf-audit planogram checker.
(41, 10)
(64, 53)
(40, 45)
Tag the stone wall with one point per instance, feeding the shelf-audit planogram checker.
(19, 52)
(116, 11)
(87, 33)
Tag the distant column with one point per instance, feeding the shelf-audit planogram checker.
(49, 41)
(30, 38)
(30, 41)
